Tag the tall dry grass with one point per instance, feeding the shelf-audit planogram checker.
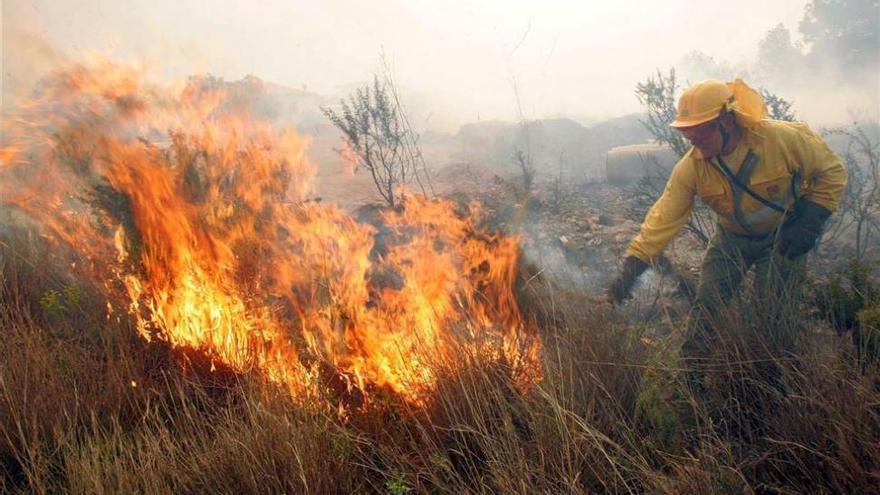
(87, 407)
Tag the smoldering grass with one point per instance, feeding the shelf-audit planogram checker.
(86, 406)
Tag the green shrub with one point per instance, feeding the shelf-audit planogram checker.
(850, 301)
(56, 303)
(396, 485)
(848, 291)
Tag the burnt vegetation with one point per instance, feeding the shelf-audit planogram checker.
(87, 406)
(791, 404)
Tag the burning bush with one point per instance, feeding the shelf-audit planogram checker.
(196, 214)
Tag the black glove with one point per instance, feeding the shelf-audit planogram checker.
(801, 229)
(622, 286)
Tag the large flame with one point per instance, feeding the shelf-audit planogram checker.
(199, 210)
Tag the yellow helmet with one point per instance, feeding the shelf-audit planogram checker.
(706, 100)
(701, 103)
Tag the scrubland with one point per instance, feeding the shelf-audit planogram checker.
(88, 406)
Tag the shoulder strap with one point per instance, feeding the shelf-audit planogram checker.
(748, 162)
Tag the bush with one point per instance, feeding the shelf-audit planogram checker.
(850, 301)
(377, 136)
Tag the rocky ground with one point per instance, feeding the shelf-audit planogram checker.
(574, 233)
(577, 234)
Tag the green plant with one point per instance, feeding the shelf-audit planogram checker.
(850, 301)
(54, 302)
(657, 409)
(396, 485)
(51, 301)
(848, 291)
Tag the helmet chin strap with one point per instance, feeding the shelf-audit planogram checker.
(725, 136)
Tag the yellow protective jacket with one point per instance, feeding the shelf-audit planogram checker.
(788, 161)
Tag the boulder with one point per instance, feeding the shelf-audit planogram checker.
(627, 164)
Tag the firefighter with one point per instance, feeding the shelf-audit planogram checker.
(772, 184)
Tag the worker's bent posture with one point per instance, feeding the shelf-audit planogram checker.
(773, 184)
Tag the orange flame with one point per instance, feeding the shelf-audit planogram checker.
(198, 209)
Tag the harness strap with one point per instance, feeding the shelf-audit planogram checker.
(747, 166)
(739, 186)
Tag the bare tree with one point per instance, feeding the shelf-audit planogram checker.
(560, 190)
(657, 94)
(376, 130)
(524, 163)
(412, 150)
(778, 108)
(859, 209)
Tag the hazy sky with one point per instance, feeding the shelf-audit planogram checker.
(458, 59)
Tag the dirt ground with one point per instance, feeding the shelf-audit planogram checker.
(574, 234)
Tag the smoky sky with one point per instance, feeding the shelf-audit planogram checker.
(455, 61)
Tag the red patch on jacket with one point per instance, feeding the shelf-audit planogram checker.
(773, 190)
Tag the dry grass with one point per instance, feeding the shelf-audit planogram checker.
(88, 407)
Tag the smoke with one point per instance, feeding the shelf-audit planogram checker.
(454, 65)
(27, 58)
(829, 68)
